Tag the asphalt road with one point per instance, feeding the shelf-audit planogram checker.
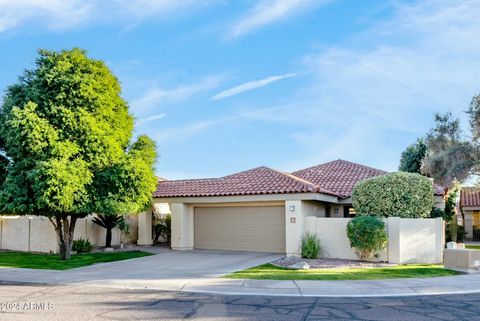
(39, 302)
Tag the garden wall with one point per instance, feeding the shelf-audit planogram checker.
(409, 240)
(36, 233)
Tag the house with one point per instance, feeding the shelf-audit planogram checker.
(470, 205)
(260, 209)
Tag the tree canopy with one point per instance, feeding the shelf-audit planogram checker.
(412, 157)
(66, 146)
(450, 156)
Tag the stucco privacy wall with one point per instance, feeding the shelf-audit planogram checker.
(36, 233)
(409, 240)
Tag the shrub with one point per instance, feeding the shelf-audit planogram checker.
(163, 227)
(399, 194)
(455, 232)
(311, 248)
(82, 245)
(439, 212)
(367, 236)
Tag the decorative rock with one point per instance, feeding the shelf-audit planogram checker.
(108, 249)
(451, 245)
(302, 265)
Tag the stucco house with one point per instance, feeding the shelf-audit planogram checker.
(470, 205)
(260, 209)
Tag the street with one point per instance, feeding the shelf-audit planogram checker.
(41, 302)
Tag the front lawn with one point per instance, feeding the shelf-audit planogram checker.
(272, 272)
(53, 261)
(472, 247)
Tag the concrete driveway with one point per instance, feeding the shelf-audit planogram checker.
(169, 270)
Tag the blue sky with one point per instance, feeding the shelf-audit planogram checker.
(224, 86)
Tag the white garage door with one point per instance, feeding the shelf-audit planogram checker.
(235, 228)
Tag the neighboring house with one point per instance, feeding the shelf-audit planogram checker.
(260, 209)
(470, 205)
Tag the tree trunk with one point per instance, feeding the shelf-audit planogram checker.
(64, 229)
(108, 242)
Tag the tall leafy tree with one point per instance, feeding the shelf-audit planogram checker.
(412, 157)
(449, 155)
(66, 146)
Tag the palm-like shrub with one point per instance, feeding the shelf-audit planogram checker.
(311, 248)
(109, 222)
(367, 236)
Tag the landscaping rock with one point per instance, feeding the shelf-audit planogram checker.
(108, 249)
(302, 265)
(326, 263)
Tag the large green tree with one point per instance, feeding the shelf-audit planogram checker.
(412, 157)
(66, 146)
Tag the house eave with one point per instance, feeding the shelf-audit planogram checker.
(249, 198)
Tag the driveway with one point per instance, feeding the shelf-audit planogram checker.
(168, 269)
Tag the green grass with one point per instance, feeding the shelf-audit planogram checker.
(272, 272)
(473, 247)
(53, 261)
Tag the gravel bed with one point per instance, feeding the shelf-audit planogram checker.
(329, 263)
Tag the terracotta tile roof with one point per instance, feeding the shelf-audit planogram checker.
(261, 180)
(339, 176)
(469, 196)
(335, 178)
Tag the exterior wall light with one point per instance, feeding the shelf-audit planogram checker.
(292, 208)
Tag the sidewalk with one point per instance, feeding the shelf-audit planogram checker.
(460, 284)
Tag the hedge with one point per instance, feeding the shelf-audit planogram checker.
(400, 194)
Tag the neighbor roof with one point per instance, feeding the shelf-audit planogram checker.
(335, 178)
(469, 196)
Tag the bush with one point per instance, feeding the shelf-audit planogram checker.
(82, 245)
(438, 212)
(311, 248)
(399, 194)
(367, 236)
(163, 227)
(454, 232)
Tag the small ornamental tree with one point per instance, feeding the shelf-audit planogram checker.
(367, 236)
(399, 194)
(66, 146)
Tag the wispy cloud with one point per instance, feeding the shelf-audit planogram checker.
(56, 13)
(64, 14)
(266, 12)
(251, 85)
(145, 8)
(425, 58)
(156, 95)
(150, 118)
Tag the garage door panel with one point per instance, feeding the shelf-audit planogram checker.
(259, 228)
